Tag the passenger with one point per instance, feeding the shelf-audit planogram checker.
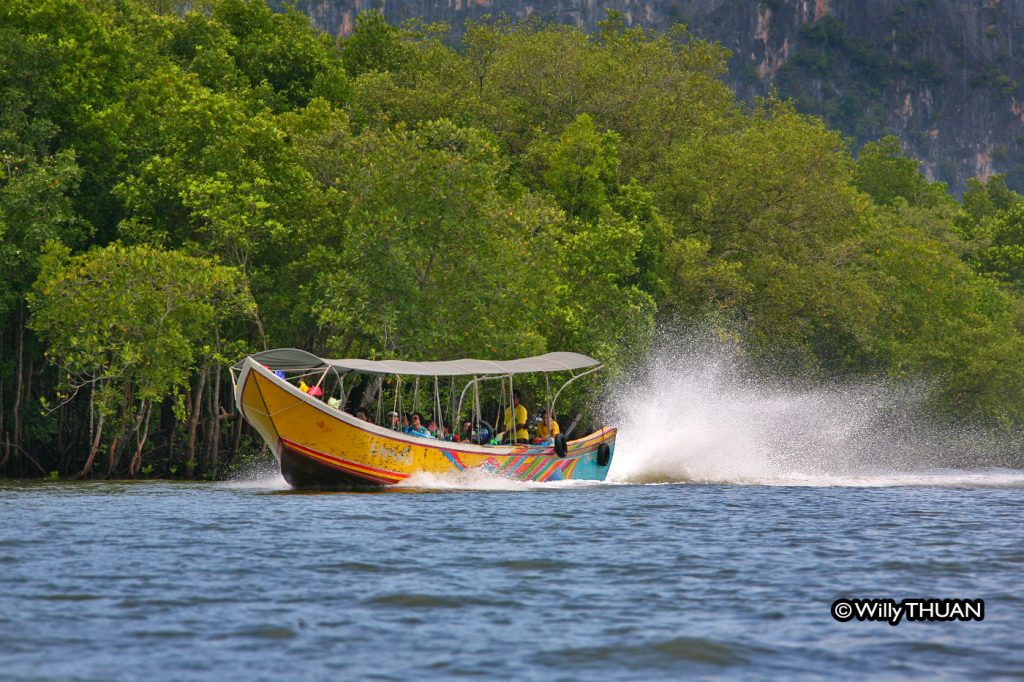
(548, 428)
(406, 422)
(483, 435)
(364, 415)
(466, 435)
(416, 427)
(436, 430)
(394, 423)
(516, 428)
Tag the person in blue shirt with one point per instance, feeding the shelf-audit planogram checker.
(416, 427)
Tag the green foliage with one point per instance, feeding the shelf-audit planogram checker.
(374, 45)
(1002, 247)
(886, 175)
(774, 202)
(281, 51)
(229, 178)
(580, 168)
(438, 257)
(131, 322)
(985, 200)
(35, 207)
(943, 321)
(650, 89)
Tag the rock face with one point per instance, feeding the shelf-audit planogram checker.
(946, 76)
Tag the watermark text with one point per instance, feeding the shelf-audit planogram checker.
(892, 612)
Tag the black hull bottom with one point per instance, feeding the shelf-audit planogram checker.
(304, 473)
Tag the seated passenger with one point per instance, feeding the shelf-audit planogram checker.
(548, 428)
(416, 427)
(364, 415)
(515, 425)
(394, 423)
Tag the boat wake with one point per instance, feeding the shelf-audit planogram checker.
(259, 475)
(695, 413)
(474, 479)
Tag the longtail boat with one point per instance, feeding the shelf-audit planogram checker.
(319, 446)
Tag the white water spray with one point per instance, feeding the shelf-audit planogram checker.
(694, 412)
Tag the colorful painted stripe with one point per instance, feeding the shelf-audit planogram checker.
(520, 471)
(511, 463)
(545, 470)
(559, 469)
(454, 459)
(538, 462)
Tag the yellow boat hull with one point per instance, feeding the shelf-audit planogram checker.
(318, 446)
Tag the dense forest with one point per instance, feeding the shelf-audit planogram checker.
(178, 190)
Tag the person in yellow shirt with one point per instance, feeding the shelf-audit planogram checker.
(548, 427)
(518, 424)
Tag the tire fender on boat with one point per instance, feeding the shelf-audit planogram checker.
(561, 447)
(604, 455)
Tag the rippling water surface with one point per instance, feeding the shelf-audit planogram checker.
(246, 580)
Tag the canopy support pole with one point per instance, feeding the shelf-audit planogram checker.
(399, 406)
(474, 382)
(454, 421)
(438, 419)
(572, 379)
(380, 399)
(476, 404)
(547, 397)
(512, 411)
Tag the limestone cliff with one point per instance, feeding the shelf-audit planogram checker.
(946, 76)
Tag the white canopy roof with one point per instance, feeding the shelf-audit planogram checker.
(293, 359)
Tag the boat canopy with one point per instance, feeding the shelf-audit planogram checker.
(293, 359)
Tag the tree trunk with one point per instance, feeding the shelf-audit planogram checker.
(214, 453)
(193, 422)
(18, 385)
(169, 425)
(132, 431)
(140, 440)
(60, 440)
(92, 452)
(112, 454)
(238, 436)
